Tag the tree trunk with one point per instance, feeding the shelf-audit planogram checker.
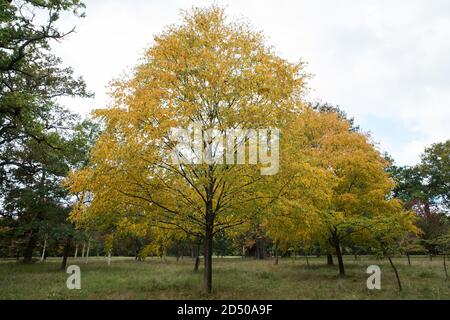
(178, 252)
(208, 256)
(197, 257)
(43, 249)
(337, 247)
(65, 254)
(276, 253)
(445, 268)
(28, 254)
(87, 251)
(76, 251)
(330, 259)
(108, 260)
(307, 260)
(82, 250)
(409, 259)
(396, 273)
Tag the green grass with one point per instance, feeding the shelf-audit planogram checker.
(233, 278)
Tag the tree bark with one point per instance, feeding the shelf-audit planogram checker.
(276, 253)
(76, 251)
(396, 274)
(409, 259)
(197, 256)
(208, 256)
(307, 260)
(31, 245)
(83, 248)
(330, 259)
(340, 259)
(87, 251)
(109, 258)
(445, 267)
(43, 249)
(65, 253)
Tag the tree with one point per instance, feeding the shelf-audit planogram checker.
(348, 178)
(208, 72)
(424, 188)
(385, 232)
(34, 198)
(31, 76)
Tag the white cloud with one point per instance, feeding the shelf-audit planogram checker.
(385, 62)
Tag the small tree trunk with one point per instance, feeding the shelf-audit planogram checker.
(208, 257)
(339, 257)
(356, 256)
(307, 260)
(65, 254)
(276, 253)
(197, 257)
(43, 249)
(445, 268)
(87, 251)
(330, 260)
(431, 257)
(82, 250)
(108, 260)
(197, 262)
(396, 273)
(243, 252)
(76, 251)
(409, 259)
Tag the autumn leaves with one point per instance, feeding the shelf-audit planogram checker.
(221, 75)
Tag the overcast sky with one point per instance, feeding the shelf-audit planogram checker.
(386, 63)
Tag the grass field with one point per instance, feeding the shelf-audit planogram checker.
(233, 278)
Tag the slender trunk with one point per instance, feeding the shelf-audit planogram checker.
(431, 257)
(396, 274)
(445, 267)
(197, 257)
(31, 245)
(337, 247)
(276, 253)
(307, 260)
(65, 253)
(108, 260)
(76, 251)
(83, 248)
(243, 252)
(43, 249)
(409, 259)
(208, 257)
(330, 259)
(87, 251)
(356, 256)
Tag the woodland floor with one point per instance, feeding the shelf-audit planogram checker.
(233, 278)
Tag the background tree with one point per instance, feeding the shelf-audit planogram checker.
(425, 189)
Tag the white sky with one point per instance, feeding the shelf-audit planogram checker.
(386, 63)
